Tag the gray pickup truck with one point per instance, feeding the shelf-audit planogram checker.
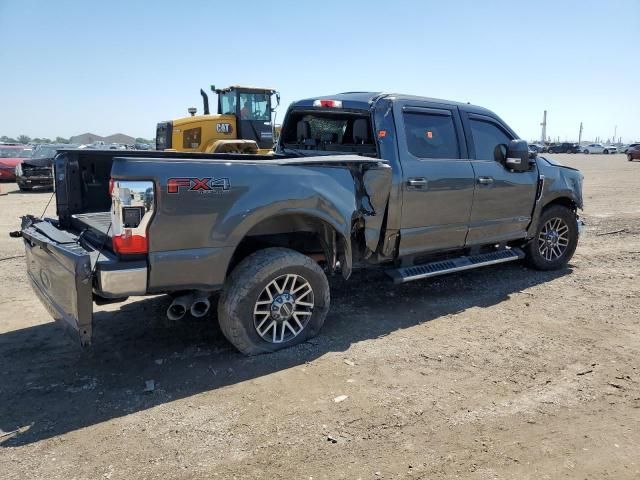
(417, 186)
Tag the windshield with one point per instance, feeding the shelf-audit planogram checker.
(45, 152)
(254, 106)
(15, 152)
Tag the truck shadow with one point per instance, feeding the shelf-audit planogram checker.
(50, 387)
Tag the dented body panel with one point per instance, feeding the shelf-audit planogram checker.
(336, 190)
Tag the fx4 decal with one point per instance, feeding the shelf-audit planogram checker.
(193, 184)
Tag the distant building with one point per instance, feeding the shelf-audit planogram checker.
(87, 138)
(120, 138)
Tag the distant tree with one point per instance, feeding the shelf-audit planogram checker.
(24, 139)
(62, 140)
(6, 139)
(144, 140)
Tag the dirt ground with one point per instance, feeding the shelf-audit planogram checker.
(502, 373)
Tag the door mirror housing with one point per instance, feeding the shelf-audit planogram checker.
(514, 156)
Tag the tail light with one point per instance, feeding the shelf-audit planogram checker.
(132, 207)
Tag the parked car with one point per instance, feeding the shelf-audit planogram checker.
(10, 157)
(347, 186)
(626, 148)
(37, 171)
(564, 148)
(598, 148)
(633, 152)
(534, 147)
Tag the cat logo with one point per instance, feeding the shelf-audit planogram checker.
(225, 128)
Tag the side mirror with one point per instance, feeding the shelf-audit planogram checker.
(517, 156)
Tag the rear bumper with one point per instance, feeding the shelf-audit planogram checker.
(64, 275)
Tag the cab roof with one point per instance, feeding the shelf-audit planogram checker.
(364, 101)
(244, 87)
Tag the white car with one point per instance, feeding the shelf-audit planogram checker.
(598, 148)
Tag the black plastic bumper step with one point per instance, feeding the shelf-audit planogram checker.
(441, 267)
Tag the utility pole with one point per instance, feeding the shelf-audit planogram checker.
(544, 127)
(580, 134)
(615, 132)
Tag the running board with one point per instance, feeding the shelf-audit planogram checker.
(459, 264)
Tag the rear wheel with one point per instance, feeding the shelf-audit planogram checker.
(586, 152)
(555, 241)
(629, 157)
(273, 299)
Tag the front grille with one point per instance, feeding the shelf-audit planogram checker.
(36, 171)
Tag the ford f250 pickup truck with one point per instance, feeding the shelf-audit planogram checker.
(417, 186)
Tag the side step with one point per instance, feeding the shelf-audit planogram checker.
(433, 269)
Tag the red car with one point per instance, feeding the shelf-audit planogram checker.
(633, 153)
(10, 157)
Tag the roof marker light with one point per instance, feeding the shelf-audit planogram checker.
(328, 103)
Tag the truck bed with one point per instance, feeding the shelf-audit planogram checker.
(96, 225)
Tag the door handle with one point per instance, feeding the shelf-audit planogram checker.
(417, 182)
(485, 180)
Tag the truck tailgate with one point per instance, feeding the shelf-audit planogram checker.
(59, 270)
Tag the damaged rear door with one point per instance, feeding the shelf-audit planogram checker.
(59, 270)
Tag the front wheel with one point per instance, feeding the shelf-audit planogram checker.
(273, 299)
(555, 241)
(606, 152)
(629, 157)
(586, 152)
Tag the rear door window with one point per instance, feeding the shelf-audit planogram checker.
(431, 135)
(486, 136)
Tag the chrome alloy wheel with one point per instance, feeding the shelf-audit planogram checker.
(283, 309)
(553, 239)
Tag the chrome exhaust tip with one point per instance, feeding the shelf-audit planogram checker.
(200, 307)
(178, 308)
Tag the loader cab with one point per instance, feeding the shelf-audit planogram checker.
(252, 108)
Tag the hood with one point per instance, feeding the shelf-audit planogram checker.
(38, 162)
(10, 162)
(555, 163)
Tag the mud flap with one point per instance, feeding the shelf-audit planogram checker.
(59, 270)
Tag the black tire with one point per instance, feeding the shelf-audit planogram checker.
(629, 157)
(24, 189)
(605, 151)
(249, 280)
(586, 152)
(534, 258)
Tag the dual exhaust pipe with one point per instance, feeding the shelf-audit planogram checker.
(195, 302)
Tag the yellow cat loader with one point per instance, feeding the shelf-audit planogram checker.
(243, 124)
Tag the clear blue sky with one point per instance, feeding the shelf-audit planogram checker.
(69, 67)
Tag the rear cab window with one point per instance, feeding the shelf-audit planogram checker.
(315, 132)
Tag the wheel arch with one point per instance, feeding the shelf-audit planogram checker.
(565, 201)
(304, 232)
